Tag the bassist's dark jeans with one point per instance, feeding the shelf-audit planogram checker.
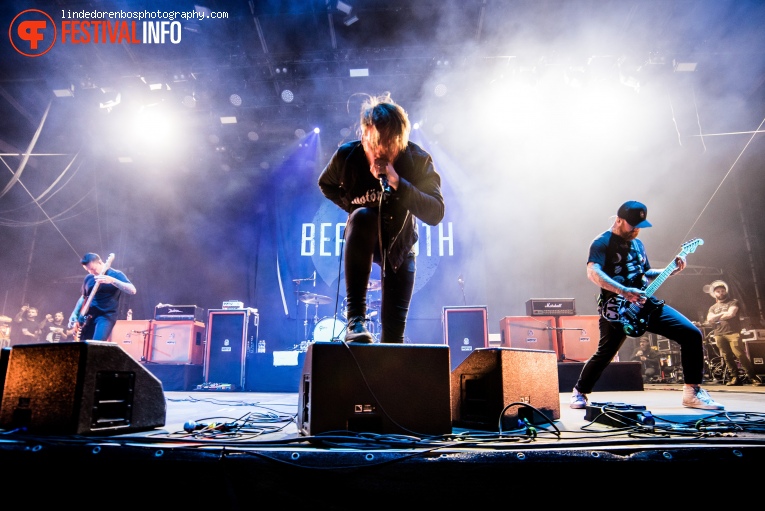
(665, 321)
(98, 328)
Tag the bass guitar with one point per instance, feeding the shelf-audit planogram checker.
(632, 317)
(83, 316)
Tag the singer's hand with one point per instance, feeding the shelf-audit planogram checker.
(382, 167)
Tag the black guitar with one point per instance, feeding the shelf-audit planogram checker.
(632, 317)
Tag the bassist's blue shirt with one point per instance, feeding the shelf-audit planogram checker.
(107, 297)
(624, 261)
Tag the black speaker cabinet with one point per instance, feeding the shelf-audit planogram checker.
(229, 333)
(756, 351)
(465, 329)
(491, 379)
(90, 387)
(375, 388)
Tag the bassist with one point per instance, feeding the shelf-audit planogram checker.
(94, 317)
(618, 264)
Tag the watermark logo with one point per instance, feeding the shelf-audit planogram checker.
(32, 33)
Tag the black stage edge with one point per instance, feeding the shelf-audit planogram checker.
(616, 377)
(177, 377)
(233, 478)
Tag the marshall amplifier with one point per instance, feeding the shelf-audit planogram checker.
(551, 307)
(164, 312)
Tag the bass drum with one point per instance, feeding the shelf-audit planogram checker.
(329, 329)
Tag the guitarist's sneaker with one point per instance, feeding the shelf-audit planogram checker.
(578, 400)
(696, 397)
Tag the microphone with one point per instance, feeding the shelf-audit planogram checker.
(382, 176)
(191, 426)
(460, 280)
(385, 186)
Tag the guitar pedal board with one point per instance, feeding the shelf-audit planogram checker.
(619, 415)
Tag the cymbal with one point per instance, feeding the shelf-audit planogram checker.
(5, 319)
(375, 304)
(313, 298)
(374, 285)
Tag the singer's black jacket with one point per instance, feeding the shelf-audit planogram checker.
(347, 181)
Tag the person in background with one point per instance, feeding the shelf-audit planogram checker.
(618, 264)
(386, 183)
(53, 329)
(723, 317)
(25, 328)
(649, 358)
(99, 319)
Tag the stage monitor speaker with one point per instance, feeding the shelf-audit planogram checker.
(491, 379)
(375, 388)
(177, 342)
(529, 332)
(89, 387)
(579, 337)
(465, 329)
(133, 337)
(230, 334)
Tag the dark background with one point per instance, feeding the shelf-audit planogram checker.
(554, 113)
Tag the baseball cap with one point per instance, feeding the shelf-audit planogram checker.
(634, 213)
(714, 285)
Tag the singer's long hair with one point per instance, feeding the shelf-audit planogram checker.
(390, 122)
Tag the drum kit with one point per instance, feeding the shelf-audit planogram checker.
(332, 328)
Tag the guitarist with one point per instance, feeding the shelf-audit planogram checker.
(98, 321)
(618, 264)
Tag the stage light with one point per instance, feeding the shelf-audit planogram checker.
(64, 92)
(228, 120)
(111, 98)
(235, 99)
(299, 133)
(287, 96)
(316, 130)
(440, 90)
(684, 67)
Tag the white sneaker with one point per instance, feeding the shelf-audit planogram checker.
(696, 397)
(578, 400)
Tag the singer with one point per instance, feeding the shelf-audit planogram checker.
(385, 182)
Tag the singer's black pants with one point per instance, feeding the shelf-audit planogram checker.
(665, 321)
(362, 248)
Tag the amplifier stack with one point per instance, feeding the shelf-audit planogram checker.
(552, 324)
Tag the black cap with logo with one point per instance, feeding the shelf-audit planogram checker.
(634, 213)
